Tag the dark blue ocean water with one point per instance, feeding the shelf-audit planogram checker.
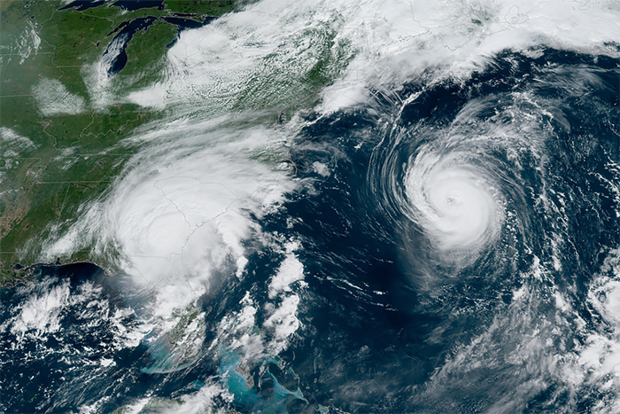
(388, 324)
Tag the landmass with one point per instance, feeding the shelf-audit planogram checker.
(59, 146)
(68, 70)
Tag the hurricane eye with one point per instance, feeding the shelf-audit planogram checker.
(452, 201)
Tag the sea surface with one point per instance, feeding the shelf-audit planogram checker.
(447, 244)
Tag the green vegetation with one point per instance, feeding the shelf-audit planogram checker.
(74, 152)
(211, 8)
(62, 124)
(295, 78)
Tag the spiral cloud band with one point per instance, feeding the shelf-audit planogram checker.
(452, 201)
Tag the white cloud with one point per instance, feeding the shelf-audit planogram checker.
(278, 42)
(29, 43)
(13, 141)
(53, 98)
(182, 209)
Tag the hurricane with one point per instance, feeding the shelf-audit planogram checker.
(453, 201)
(469, 192)
(433, 229)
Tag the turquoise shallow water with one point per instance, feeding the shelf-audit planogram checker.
(504, 318)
